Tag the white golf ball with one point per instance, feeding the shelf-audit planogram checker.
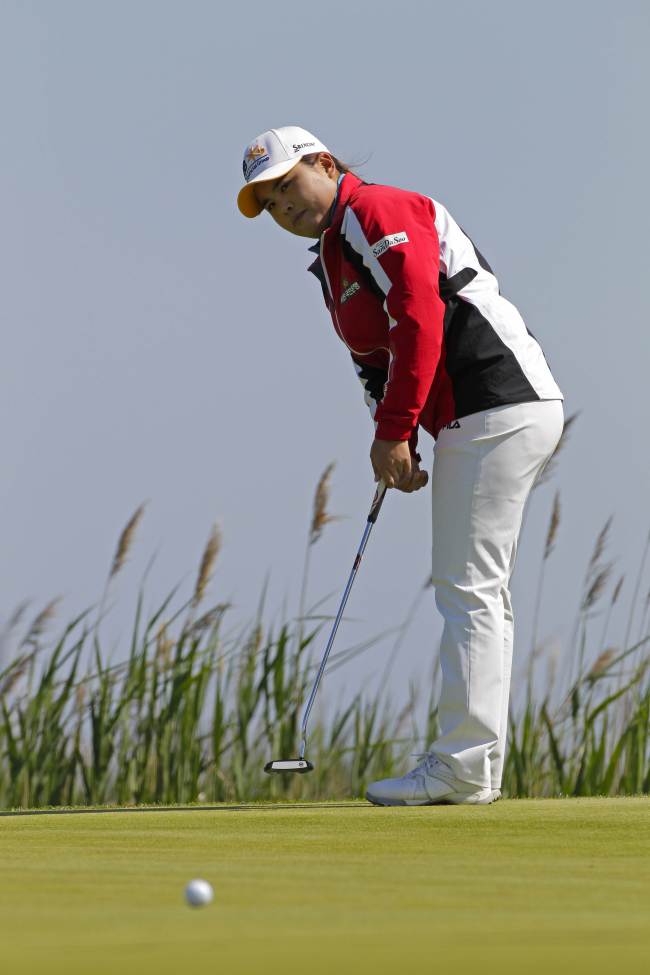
(198, 893)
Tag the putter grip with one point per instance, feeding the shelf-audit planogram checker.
(380, 494)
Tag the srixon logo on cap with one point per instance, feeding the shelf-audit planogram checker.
(302, 145)
(254, 158)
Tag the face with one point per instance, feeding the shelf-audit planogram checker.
(300, 201)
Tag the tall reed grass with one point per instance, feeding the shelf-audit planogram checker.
(194, 712)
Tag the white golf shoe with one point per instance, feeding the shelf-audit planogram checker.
(429, 783)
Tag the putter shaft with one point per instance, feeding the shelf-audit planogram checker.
(372, 517)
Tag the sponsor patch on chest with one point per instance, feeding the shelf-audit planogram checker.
(392, 240)
(349, 290)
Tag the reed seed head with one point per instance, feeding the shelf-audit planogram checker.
(207, 564)
(126, 540)
(600, 545)
(553, 526)
(596, 588)
(320, 515)
(164, 646)
(12, 679)
(80, 697)
(250, 650)
(17, 615)
(41, 620)
(617, 590)
(209, 619)
(601, 663)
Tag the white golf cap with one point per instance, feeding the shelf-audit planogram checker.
(270, 155)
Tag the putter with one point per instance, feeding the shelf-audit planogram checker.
(301, 764)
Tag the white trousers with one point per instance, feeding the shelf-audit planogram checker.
(483, 472)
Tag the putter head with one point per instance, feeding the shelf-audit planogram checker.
(291, 765)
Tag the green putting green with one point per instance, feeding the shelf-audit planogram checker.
(520, 886)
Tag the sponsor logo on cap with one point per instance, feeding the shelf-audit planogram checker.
(391, 241)
(302, 145)
(255, 156)
(254, 152)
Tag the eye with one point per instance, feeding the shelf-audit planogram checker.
(284, 186)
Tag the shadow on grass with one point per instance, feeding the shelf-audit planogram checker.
(251, 807)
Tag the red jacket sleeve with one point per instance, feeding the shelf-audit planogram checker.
(373, 379)
(394, 233)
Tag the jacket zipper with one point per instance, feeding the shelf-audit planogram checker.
(336, 319)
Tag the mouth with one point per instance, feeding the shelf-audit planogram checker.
(298, 216)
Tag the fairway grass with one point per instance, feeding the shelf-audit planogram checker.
(520, 886)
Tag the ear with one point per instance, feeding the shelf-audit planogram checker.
(326, 161)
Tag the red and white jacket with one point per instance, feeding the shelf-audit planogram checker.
(419, 308)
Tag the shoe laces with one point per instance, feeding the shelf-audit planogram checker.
(428, 765)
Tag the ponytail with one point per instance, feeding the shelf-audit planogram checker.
(341, 167)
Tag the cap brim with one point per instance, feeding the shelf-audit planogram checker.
(246, 199)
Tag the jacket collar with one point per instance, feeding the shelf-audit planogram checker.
(348, 183)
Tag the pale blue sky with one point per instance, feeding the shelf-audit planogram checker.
(157, 345)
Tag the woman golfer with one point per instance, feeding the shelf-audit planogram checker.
(437, 346)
